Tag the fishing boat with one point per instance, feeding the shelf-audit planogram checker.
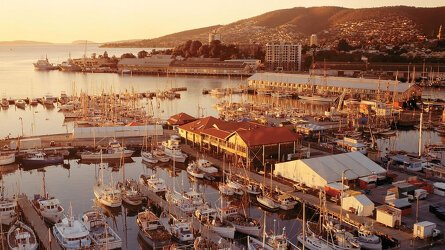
(178, 200)
(367, 240)
(72, 234)
(173, 150)
(267, 202)
(48, 207)
(21, 237)
(205, 166)
(286, 202)
(209, 217)
(181, 230)
(130, 193)
(149, 157)
(242, 223)
(235, 186)
(69, 66)
(153, 183)
(7, 158)
(272, 242)
(21, 104)
(8, 208)
(108, 195)
(160, 155)
(225, 189)
(151, 230)
(114, 151)
(194, 171)
(101, 235)
(253, 188)
(39, 158)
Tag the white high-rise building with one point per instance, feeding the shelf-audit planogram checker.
(213, 36)
(313, 40)
(283, 56)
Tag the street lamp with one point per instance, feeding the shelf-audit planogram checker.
(21, 123)
(341, 195)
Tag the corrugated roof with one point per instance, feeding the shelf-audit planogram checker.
(331, 167)
(343, 82)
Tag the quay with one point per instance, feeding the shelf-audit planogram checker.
(283, 186)
(195, 223)
(37, 223)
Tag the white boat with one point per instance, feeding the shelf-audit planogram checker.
(181, 230)
(177, 199)
(50, 208)
(101, 235)
(160, 155)
(172, 149)
(49, 100)
(151, 230)
(20, 104)
(225, 189)
(205, 166)
(235, 186)
(286, 202)
(194, 171)
(367, 240)
(273, 242)
(267, 202)
(208, 216)
(44, 64)
(21, 237)
(72, 234)
(108, 195)
(153, 183)
(114, 151)
(241, 223)
(8, 208)
(7, 158)
(313, 242)
(149, 157)
(252, 188)
(130, 193)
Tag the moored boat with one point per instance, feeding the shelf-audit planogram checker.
(21, 237)
(72, 234)
(241, 223)
(7, 158)
(114, 151)
(208, 216)
(8, 209)
(101, 234)
(40, 158)
(151, 230)
(173, 150)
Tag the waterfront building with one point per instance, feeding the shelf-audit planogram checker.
(319, 85)
(151, 64)
(241, 141)
(180, 119)
(320, 171)
(252, 63)
(209, 66)
(283, 56)
(313, 41)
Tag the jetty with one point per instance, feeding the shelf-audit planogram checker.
(36, 222)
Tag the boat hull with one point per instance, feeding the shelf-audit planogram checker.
(7, 159)
(226, 232)
(49, 161)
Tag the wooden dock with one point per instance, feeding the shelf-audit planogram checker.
(196, 224)
(38, 225)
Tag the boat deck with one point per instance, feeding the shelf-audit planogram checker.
(37, 224)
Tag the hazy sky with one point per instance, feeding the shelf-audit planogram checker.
(110, 20)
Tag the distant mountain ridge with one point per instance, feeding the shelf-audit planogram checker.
(384, 25)
(23, 42)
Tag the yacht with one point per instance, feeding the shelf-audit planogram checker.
(149, 157)
(268, 203)
(39, 158)
(367, 240)
(101, 235)
(153, 183)
(21, 237)
(177, 199)
(151, 230)
(69, 66)
(160, 156)
(114, 151)
(4, 103)
(72, 234)
(173, 150)
(21, 104)
(8, 209)
(241, 223)
(7, 158)
(208, 216)
(44, 64)
(49, 208)
(235, 186)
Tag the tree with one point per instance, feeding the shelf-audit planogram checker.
(343, 45)
(194, 47)
(128, 55)
(204, 51)
(142, 54)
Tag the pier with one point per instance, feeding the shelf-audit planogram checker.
(37, 223)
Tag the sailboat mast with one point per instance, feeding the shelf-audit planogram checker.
(420, 133)
(44, 187)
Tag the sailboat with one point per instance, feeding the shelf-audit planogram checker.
(129, 189)
(48, 207)
(268, 242)
(146, 155)
(242, 223)
(107, 195)
(209, 217)
(223, 187)
(265, 199)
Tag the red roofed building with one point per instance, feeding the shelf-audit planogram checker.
(180, 119)
(241, 140)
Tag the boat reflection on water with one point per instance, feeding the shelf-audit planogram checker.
(8, 169)
(111, 162)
